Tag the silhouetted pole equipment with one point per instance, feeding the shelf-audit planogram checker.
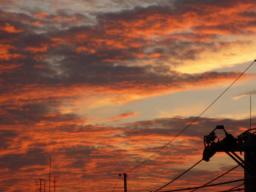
(245, 142)
(125, 180)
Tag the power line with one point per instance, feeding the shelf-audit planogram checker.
(236, 188)
(210, 185)
(190, 124)
(214, 179)
(177, 177)
(195, 119)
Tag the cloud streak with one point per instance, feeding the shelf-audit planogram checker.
(89, 153)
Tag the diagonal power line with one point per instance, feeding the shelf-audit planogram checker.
(214, 179)
(195, 119)
(206, 186)
(191, 123)
(236, 188)
(202, 186)
(177, 177)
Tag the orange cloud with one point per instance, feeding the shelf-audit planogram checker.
(41, 15)
(84, 151)
(123, 116)
(83, 49)
(10, 28)
(8, 67)
(39, 49)
(202, 33)
(7, 54)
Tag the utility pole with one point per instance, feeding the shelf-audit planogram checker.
(50, 173)
(125, 180)
(245, 142)
(54, 184)
(36, 185)
(42, 185)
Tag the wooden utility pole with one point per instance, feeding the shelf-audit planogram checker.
(125, 180)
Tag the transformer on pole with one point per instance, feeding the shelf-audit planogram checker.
(244, 143)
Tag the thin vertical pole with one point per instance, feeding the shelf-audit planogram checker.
(250, 111)
(125, 182)
(36, 185)
(44, 185)
(54, 184)
(50, 167)
(40, 185)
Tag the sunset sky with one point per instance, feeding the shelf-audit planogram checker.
(100, 85)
